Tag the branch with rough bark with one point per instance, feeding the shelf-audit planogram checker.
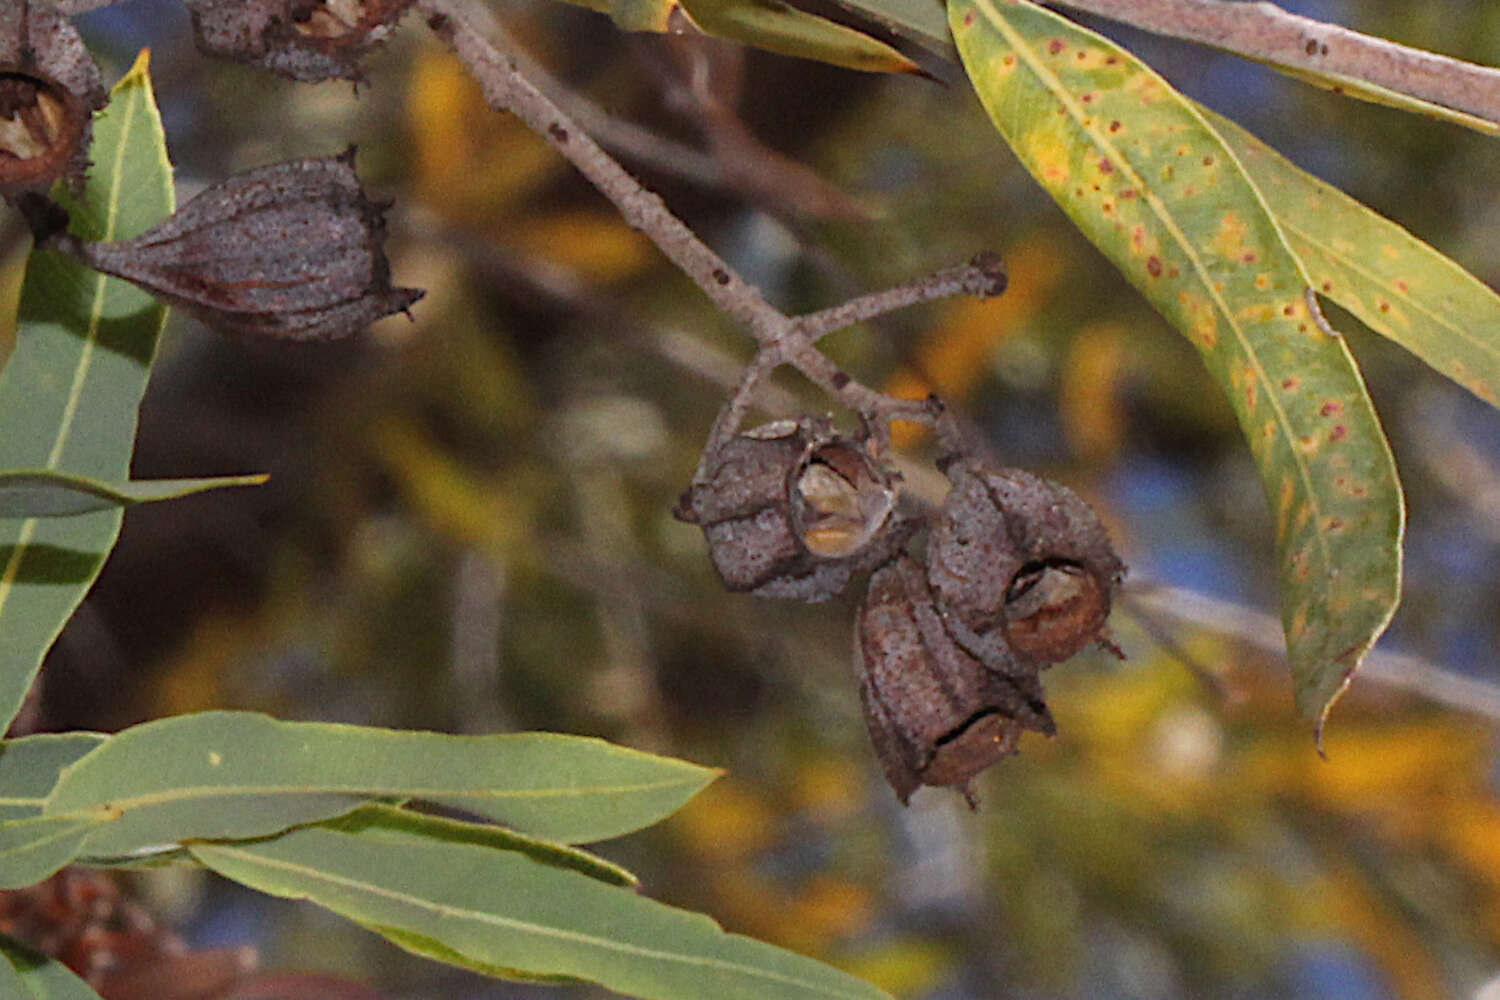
(1265, 32)
(783, 339)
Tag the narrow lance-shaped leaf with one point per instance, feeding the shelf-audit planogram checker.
(920, 21)
(1147, 179)
(43, 493)
(31, 765)
(396, 823)
(502, 911)
(780, 27)
(768, 24)
(1397, 285)
(1354, 87)
(239, 774)
(29, 975)
(32, 849)
(70, 391)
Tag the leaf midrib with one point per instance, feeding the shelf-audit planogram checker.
(444, 910)
(85, 361)
(202, 792)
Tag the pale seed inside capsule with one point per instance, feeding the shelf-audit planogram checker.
(845, 516)
(330, 18)
(31, 118)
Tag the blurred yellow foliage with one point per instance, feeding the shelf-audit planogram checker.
(952, 357)
(727, 821)
(1090, 408)
(598, 245)
(470, 164)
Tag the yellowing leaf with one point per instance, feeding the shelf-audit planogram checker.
(1150, 183)
(1397, 285)
(780, 27)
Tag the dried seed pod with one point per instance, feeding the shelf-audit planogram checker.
(936, 715)
(308, 40)
(1021, 565)
(294, 251)
(49, 91)
(791, 509)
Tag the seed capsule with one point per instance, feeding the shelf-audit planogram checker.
(49, 90)
(293, 251)
(1022, 566)
(793, 510)
(308, 40)
(936, 715)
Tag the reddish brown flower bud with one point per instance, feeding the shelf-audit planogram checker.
(307, 40)
(793, 510)
(1022, 566)
(294, 251)
(49, 90)
(936, 715)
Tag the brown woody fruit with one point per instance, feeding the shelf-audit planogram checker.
(793, 510)
(49, 91)
(936, 715)
(1021, 565)
(293, 251)
(308, 40)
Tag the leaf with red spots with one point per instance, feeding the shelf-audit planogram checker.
(1397, 285)
(1179, 216)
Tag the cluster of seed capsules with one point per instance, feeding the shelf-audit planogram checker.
(962, 609)
(292, 251)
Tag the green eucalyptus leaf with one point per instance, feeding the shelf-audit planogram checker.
(395, 823)
(70, 390)
(32, 849)
(31, 765)
(49, 493)
(1149, 181)
(779, 27)
(26, 974)
(502, 912)
(234, 775)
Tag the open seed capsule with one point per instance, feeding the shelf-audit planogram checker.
(936, 715)
(791, 509)
(1021, 565)
(49, 90)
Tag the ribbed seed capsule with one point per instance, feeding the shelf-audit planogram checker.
(307, 40)
(49, 90)
(293, 251)
(936, 715)
(1021, 565)
(791, 509)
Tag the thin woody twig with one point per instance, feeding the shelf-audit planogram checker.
(1263, 631)
(1267, 33)
(983, 277)
(505, 89)
(733, 412)
(782, 339)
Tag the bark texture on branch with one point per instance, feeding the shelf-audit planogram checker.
(1265, 32)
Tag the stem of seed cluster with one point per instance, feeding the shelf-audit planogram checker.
(782, 339)
(983, 277)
